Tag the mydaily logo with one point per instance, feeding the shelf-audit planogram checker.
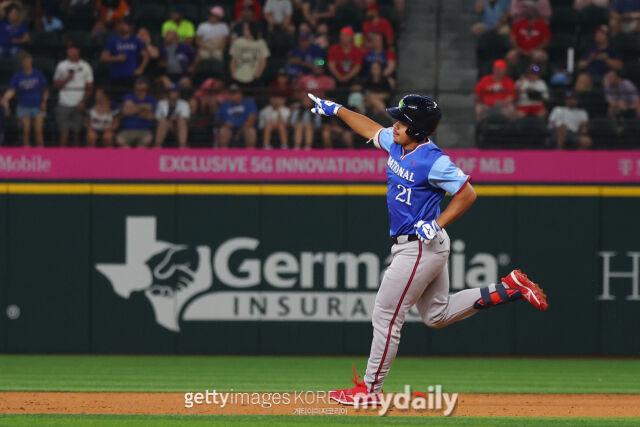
(231, 282)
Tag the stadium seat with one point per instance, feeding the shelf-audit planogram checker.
(7, 68)
(280, 42)
(192, 12)
(45, 64)
(44, 43)
(491, 46)
(630, 134)
(347, 15)
(79, 18)
(532, 131)
(150, 16)
(101, 73)
(585, 43)
(564, 20)
(591, 17)
(495, 131)
(632, 72)
(628, 46)
(208, 68)
(594, 102)
(603, 132)
(562, 3)
(558, 48)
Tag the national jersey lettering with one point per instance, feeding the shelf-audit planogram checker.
(417, 182)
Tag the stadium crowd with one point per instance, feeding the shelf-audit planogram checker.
(221, 73)
(560, 77)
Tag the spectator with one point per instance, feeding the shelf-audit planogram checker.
(74, 79)
(495, 93)
(355, 100)
(303, 122)
(519, 8)
(374, 23)
(274, 117)
(621, 95)
(321, 38)
(584, 4)
(345, 59)
(377, 90)
(529, 37)
(49, 21)
(110, 13)
(316, 12)
(248, 56)
(247, 17)
(137, 117)
(122, 51)
(172, 115)
(103, 120)
(209, 96)
(151, 71)
(301, 58)
(597, 61)
(569, 124)
(183, 27)
(317, 83)
(178, 60)
(532, 93)
(386, 58)
(624, 16)
(14, 33)
(237, 119)
(281, 85)
(494, 16)
(31, 86)
(212, 35)
(253, 5)
(278, 13)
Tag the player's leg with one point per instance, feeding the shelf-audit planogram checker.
(266, 134)
(438, 308)
(413, 267)
(162, 128)
(182, 130)
(283, 134)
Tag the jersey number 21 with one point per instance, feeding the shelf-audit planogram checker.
(404, 195)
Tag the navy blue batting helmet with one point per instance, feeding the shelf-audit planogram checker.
(420, 112)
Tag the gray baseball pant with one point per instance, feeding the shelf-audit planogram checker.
(418, 275)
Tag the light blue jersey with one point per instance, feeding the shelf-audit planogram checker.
(417, 182)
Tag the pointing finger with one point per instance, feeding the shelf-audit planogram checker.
(313, 98)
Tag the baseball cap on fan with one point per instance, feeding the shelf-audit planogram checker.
(217, 11)
(500, 63)
(347, 30)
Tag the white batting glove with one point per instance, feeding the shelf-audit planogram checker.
(324, 107)
(427, 231)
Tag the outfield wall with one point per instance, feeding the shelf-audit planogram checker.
(293, 269)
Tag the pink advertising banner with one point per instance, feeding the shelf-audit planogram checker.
(50, 164)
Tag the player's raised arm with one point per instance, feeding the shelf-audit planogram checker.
(362, 125)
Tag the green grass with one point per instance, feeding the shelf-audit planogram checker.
(199, 373)
(276, 421)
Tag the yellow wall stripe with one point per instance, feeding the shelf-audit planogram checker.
(305, 189)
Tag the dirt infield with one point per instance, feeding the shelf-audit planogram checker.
(479, 405)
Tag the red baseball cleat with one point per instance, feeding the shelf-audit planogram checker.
(356, 396)
(530, 291)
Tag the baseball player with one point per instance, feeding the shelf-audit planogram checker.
(418, 176)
